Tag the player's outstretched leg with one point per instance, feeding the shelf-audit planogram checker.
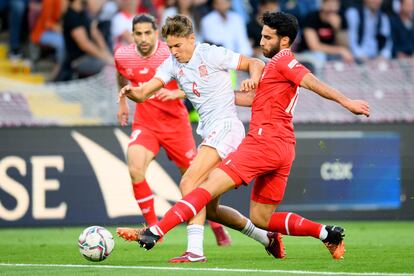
(143, 236)
(222, 236)
(292, 224)
(275, 247)
(335, 241)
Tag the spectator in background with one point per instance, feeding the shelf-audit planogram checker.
(402, 27)
(225, 28)
(242, 8)
(15, 10)
(299, 8)
(369, 31)
(255, 25)
(184, 7)
(86, 49)
(391, 7)
(106, 13)
(47, 30)
(153, 7)
(193, 9)
(324, 36)
(122, 21)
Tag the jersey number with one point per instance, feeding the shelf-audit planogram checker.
(195, 91)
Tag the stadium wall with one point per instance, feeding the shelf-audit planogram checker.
(78, 175)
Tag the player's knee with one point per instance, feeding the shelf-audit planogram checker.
(187, 184)
(137, 173)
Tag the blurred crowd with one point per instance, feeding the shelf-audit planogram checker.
(82, 35)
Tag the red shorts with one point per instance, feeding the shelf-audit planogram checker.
(267, 160)
(179, 146)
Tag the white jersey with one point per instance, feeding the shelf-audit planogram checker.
(206, 82)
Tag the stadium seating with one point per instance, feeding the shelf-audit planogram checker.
(388, 87)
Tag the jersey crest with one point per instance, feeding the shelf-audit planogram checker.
(129, 72)
(202, 69)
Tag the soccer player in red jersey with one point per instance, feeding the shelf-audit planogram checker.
(161, 121)
(267, 152)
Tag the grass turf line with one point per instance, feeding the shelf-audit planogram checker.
(383, 247)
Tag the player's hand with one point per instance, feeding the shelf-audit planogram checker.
(123, 113)
(168, 95)
(358, 107)
(248, 85)
(124, 92)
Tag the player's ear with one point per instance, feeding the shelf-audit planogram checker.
(192, 37)
(285, 41)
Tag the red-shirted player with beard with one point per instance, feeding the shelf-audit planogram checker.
(158, 122)
(267, 152)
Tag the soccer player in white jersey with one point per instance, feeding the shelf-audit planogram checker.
(156, 121)
(202, 73)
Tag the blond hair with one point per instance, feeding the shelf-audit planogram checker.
(178, 25)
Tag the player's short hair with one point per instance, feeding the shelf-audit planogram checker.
(285, 24)
(144, 18)
(178, 25)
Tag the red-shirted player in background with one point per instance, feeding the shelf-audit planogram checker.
(267, 152)
(159, 122)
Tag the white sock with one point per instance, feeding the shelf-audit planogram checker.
(253, 232)
(195, 235)
(154, 230)
(324, 233)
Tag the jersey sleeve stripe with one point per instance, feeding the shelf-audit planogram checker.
(239, 63)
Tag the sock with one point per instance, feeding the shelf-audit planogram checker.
(182, 211)
(145, 200)
(255, 233)
(214, 224)
(324, 233)
(294, 225)
(195, 235)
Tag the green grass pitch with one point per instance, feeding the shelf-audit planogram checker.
(372, 248)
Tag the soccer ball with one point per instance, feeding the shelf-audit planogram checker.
(95, 243)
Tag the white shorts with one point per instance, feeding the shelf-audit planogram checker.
(225, 136)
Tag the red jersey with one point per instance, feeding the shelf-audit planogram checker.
(153, 113)
(276, 97)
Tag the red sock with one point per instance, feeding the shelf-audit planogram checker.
(214, 224)
(145, 200)
(293, 225)
(184, 210)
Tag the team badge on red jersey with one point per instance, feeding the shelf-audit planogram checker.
(129, 72)
(202, 69)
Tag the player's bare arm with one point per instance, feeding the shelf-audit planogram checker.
(244, 98)
(358, 107)
(255, 68)
(168, 95)
(141, 93)
(123, 109)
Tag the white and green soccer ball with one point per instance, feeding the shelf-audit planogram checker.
(96, 243)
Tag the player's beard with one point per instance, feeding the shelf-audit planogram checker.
(145, 51)
(273, 50)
